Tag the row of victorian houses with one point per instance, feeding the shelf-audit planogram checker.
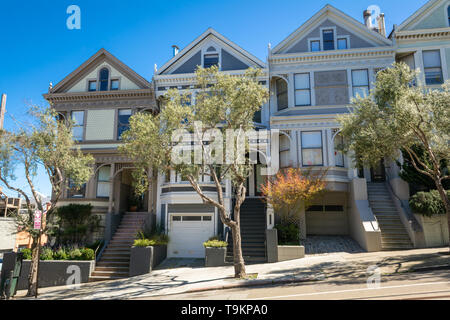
(311, 75)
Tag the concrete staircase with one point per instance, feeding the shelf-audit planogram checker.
(253, 232)
(115, 260)
(393, 232)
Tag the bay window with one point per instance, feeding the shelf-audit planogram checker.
(78, 125)
(312, 154)
(432, 67)
(302, 90)
(123, 121)
(360, 83)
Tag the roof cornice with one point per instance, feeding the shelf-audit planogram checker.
(99, 95)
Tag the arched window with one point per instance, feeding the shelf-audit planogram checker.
(104, 79)
(282, 94)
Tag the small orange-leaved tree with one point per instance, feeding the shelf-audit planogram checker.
(289, 191)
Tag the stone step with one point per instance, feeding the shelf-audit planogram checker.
(112, 264)
(122, 274)
(104, 278)
(112, 268)
(115, 259)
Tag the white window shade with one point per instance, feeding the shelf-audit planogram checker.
(302, 97)
(103, 183)
(302, 81)
(78, 118)
(432, 59)
(103, 189)
(311, 139)
(360, 78)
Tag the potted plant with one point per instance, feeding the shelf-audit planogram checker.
(215, 252)
(133, 203)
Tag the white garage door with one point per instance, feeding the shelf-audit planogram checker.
(187, 234)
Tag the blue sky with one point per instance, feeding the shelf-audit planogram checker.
(37, 48)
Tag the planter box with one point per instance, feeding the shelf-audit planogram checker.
(290, 252)
(144, 259)
(51, 273)
(435, 230)
(215, 257)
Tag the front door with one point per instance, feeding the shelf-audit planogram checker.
(378, 173)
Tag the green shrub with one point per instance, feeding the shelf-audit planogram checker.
(46, 254)
(26, 253)
(215, 244)
(144, 243)
(427, 203)
(288, 234)
(75, 254)
(61, 254)
(87, 254)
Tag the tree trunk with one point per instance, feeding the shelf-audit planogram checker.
(33, 276)
(239, 265)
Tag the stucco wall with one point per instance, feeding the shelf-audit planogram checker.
(7, 234)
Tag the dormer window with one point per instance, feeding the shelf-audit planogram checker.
(315, 46)
(342, 43)
(210, 60)
(92, 85)
(104, 79)
(328, 39)
(115, 84)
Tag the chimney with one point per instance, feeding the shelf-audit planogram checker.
(2, 110)
(367, 18)
(382, 25)
(175, 50)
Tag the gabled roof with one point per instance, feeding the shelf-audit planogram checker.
(331, 12)
(210, 32)
(98, 58)
(416, 16)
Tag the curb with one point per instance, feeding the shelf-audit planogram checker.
(431, 268)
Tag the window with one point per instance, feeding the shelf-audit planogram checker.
(312, 148)
(302, 90)
(78, 125)
(123, 121)
(315, 45)
(448, 15)
(115, 84)
(360, 83)
(342, 44)
(282, 94)
(104, 79)
(103, 183)
(210, 60)
(432, 67)
(338, 155)
(75, 192)
(328, 39)
(92, 85)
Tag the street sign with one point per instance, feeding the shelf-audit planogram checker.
(37, 219)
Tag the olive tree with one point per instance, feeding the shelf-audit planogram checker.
(223, 104)
(44, 143)
(399, 114)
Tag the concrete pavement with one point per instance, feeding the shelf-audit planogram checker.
(188, 275)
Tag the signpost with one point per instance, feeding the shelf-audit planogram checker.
(37, 220)
(2, 110)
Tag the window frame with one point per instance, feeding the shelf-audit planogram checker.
(89, 85)
(302, 89)
(79, 125)
(312, 148)
(278, 94)
(347, 42)
(322, 32)
(313, 40)
(70, 187)
(337, 152)
(425, 68)
(103, 181)
(359, 86)
(119, 124)
(100, 81)
(211, 54)
(111, 82)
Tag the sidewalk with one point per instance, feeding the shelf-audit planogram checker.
(173, 278)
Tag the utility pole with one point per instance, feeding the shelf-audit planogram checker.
(2, 110)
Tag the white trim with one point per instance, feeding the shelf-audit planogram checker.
(444, 64)
(334, 37)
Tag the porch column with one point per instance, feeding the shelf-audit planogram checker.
(108, 225)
